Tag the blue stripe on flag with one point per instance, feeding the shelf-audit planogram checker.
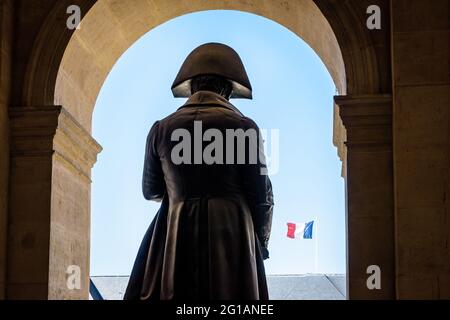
(307, 233)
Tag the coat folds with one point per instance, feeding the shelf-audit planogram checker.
(210, 235)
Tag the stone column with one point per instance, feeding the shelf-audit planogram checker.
(49, 222)
(369, 184)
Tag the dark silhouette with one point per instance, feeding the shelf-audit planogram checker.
(210, 235)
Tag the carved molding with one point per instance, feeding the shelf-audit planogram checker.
(75, 145)
(50, 130)
(356, 108)
(32, 130)
(339, 138)
(367, 120)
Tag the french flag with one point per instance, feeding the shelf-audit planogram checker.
(300, 230)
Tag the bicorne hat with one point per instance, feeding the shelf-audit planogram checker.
(213, 59)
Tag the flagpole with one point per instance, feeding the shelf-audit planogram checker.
(316, 255)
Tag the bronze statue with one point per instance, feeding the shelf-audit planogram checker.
(210, 235)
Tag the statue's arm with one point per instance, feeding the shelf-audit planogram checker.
(259, 194)
(153, 185)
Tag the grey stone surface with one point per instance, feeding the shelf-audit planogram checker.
(281, 287)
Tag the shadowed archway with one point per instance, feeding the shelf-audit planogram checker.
(66, 70)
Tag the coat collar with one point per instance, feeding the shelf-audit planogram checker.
(209, 98)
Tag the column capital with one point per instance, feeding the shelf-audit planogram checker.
(32, 130)
(365, 110)
(367, 120)
(75, 145)
(43, 131)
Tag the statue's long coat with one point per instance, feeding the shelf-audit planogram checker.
(210, 236)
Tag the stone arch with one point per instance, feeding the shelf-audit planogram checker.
(66, 70)
(109, 28)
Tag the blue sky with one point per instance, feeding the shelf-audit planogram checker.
(292, 92)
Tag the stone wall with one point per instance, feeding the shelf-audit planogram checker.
(6, 20)
(421, 82)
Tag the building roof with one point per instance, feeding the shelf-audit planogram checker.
(281, 287)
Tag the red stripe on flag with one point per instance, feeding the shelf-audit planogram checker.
(291, 230)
